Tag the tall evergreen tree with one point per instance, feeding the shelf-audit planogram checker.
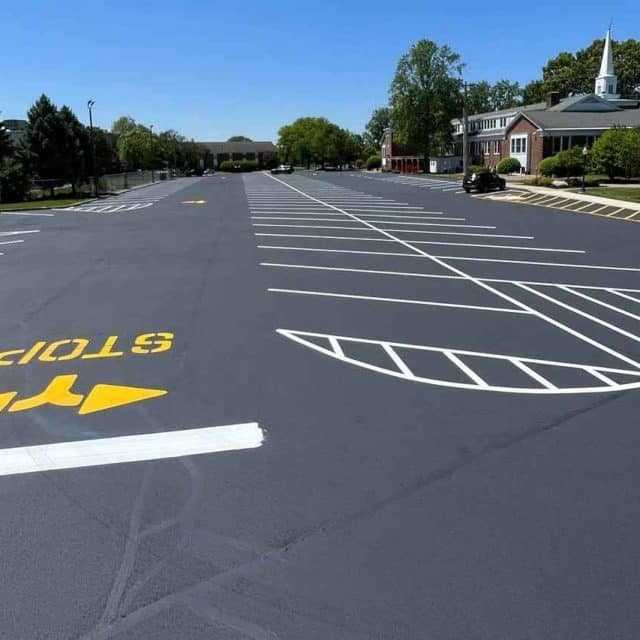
(45, 136)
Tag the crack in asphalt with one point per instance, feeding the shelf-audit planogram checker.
(198, 590)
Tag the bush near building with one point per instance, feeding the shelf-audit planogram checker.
(564, 164)
(238, 166)
(374, 162)
(508, 165)
(617, 152)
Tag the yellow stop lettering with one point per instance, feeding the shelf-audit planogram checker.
(7, 354)
(80, 344)
(153, 343)
(32, 353)
(106, 351)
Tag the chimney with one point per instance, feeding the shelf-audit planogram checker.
(553, 98)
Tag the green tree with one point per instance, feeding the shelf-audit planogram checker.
(479, 97)
(533, 92)
(505, 95)
(75, 148)
(629, 154)
(605, 153)
(45, 138)
(373, 130)
(239, 139)
(424, 96)
(571, 73)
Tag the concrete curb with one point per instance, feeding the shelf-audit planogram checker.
(579, 197)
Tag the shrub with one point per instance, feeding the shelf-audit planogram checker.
(477, 168)
(14, 181)
(374, 162)
(238, 166)
(508, 165)
(548, 166)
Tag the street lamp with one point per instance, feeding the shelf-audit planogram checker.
(90, 104)
(585, 153)
(151, 151)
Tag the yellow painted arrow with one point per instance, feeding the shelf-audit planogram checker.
(109, 396)
(59, 393)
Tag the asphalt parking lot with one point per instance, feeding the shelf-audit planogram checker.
(319, 406)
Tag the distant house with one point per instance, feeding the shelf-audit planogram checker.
(535, 131)
(264, 153)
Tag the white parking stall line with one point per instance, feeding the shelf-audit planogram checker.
(12, 242)
(601, 303)
(428, 303)
(601, 376)
(434, 242)
(415, 274)
(465, 368)
(396, 222)
(18, 233)
(518, 304)
(419, 231)
(540, 264)
(532, 374)
(584, 314)
(618, 292)
(396, 359)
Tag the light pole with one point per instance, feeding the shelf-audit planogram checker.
(585, 153)
(465, 133)
(151, 152)
(90, 104)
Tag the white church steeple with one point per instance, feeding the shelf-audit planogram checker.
(607, 82)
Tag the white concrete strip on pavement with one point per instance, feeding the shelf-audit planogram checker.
(135, 448)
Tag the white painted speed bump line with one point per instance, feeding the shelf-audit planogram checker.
(136, 448)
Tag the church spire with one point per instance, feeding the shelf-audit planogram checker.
(606, 66)
(607, 82)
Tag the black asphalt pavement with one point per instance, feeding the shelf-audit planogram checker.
(448, 390)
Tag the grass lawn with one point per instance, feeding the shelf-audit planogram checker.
(618, 193)
(40, 204)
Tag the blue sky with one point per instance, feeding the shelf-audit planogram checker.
(219, 68)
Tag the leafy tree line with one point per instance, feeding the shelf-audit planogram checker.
(57, 149)
(317, 141)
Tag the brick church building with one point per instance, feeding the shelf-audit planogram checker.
(532, 132)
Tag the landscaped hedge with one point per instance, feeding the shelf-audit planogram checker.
(238, 166)
(508, 165)
(477, 168)
(563, 164)
(374, 162)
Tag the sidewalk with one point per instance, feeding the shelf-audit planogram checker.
(572, 195)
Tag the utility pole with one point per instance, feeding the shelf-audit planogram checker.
(151, 152)
(90, 104)
(465, 133)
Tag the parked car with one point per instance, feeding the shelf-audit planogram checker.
(209, 172)
(483, 181)
(283, 168)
